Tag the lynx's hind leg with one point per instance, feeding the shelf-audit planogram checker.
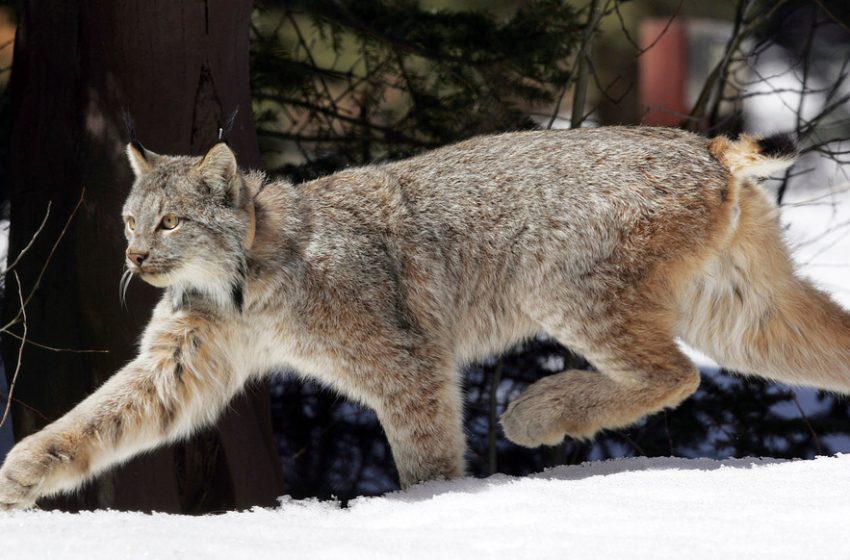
(641, 371)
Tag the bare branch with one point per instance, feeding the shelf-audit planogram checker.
(654, 42)
(20, 353)
(808, 424)
(580, 94)
(492, 426)
(21, 311)
(743, 28)
(31, 241)
(52, 348)
(831, 16)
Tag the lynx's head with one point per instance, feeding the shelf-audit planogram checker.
(189, 222)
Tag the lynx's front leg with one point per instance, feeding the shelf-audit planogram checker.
(423, 420)
(177, 383)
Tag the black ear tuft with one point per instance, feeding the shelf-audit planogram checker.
(779, 146)
(225, 129)
(131, 133)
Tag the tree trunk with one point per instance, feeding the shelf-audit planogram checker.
(179, 67)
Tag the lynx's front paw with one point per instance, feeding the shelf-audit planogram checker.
(26, 471)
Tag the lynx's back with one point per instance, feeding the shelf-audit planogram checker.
(490, 225)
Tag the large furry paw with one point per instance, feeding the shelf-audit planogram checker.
(542, 415)
(526, 424)
(25, 471)
(417, 465)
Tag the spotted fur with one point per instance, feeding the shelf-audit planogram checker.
(383, 281)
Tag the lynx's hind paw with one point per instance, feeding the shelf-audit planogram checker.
(542, 415)
(524, 428)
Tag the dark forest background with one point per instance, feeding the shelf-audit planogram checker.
(326, 84)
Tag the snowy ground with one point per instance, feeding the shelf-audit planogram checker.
(631, 508)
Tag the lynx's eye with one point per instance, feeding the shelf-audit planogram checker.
(131, 223)
(169, 221)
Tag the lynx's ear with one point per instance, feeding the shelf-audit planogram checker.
(141, 160)
(218, 170)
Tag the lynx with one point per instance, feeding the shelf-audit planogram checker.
(382, 282)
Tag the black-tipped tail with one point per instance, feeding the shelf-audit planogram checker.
(753, 157)
(778, 146)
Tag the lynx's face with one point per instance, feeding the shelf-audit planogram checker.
(186, 221)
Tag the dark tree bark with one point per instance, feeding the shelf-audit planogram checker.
(179, 67)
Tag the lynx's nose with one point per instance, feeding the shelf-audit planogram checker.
(137, 258)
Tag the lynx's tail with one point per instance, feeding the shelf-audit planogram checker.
(749, 310)
(750, 156)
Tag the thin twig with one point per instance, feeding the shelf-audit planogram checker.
(303, 41)
(20, 352)
(630, 441)
(53, 348)
(663, 32)
(717, 77)
(720, 76)
(558, 102)
(29, 407)
(491, 428)
(32, 239)
(46, 263)
(807, 58)
(808, 424)
(580, 93)
(572, 76)
(830, 15)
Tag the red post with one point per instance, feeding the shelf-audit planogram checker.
(663, 72)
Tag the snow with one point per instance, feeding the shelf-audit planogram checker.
(818, 231)
(629, 508)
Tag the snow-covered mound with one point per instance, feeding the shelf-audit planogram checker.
(630, 508)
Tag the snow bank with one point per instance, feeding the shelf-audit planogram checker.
(630, 508)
